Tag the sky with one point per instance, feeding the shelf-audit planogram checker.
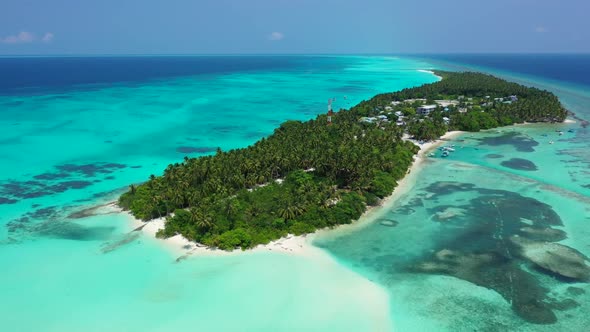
(43, 27)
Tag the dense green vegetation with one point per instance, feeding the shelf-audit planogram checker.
(482, 104)
(232, 199)
(310, 175)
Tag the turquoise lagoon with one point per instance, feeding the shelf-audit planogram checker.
(71, 147)
(87, 143)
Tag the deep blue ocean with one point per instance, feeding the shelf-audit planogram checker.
(42, 74)
(572, 68)
(47, 74)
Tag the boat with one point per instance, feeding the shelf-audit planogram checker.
(445, 154)
(550, 142)
(570, 131)
(560, 133)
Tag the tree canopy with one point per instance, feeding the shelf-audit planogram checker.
(233, 199)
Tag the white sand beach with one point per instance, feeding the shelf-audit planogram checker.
(429, 72)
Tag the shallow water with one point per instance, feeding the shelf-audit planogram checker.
(65, 148)
(450, 263)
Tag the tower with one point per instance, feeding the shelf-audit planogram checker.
(330, 112)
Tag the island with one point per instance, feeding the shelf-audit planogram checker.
(326, 171)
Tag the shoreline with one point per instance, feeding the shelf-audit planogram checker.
(430, 72)
(291, 244)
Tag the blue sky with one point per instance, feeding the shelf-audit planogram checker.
(292, 26)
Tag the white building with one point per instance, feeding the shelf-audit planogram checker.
(426, 109)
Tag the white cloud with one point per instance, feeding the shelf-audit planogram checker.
(20, 38)
(25, 37)
(276, 36)
(48, 37)
(541, 29)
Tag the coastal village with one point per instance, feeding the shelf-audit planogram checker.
(412, 110)
(409, 114)
(465, 102)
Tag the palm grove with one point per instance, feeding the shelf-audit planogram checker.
(328, 173)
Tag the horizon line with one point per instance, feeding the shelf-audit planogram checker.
(283, 54)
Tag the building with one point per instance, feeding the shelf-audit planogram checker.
(447, 103)
(374, 119)
(398, 113)
(410, 101)
(446, 120)
(426, 109)
(367, 119)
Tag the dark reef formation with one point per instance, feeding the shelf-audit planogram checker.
(520, 164)
(51, 222)
(190, 149)
(518, 141)
(65, 177)
(501, 246)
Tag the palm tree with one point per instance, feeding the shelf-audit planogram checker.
(200, 219)
(290, 211)
(230, 207)
(205, 222)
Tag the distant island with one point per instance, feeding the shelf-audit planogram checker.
(326, 171)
